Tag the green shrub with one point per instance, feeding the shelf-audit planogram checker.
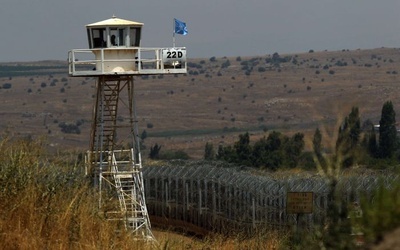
(381, 212)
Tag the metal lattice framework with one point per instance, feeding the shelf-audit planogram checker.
(118, 171)
(201, 197)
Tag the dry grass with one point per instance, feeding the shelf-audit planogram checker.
(47, 206)
(267, 240)
(46, 203)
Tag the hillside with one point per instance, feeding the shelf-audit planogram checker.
(218, 99)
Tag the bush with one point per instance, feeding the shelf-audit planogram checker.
(143, 135)
(261, 69)
(174, 155)
(226, 64)
(209, 153)
(68, 128)
(341, 64)
(306, 161)
(7, 85)
(155, 151)
(381, 212)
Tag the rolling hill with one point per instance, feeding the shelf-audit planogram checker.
(218, 98)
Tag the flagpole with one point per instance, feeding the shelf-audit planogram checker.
(173, 35)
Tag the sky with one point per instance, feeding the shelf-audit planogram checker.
(33, 30)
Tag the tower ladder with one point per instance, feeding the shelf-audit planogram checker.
(128, 181)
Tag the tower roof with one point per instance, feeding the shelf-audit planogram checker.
(114, 21)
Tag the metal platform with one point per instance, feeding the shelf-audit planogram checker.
(140, 61)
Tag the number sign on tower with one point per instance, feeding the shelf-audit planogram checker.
(114, 57)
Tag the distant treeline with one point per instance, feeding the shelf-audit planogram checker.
(29, 70)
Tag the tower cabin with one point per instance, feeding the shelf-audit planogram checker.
(115, 49)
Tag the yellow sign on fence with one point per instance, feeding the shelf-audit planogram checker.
(299, 202)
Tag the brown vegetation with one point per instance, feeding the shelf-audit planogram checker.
(46, 203)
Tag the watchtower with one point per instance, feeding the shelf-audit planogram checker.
(114, 57)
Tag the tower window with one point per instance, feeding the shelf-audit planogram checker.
(99, 36)
(117, 36)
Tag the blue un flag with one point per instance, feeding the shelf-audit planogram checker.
(180, 27)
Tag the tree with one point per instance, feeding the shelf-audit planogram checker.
(155, 152)
(209, 152)
(243, 149)
(293, 149)
(387, 131)
(348, 138)
(143, 135)
(317, 141)
(259, 152)
(317, 148)
(354, 126)
(226, 153)
(268, 152)
(274, 141)
(369, 142)
(276, 57)
(349, 131)
(220, 153)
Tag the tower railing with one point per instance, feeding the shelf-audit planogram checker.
(96, 159)
(92, 62)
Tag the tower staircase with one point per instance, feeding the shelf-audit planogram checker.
(107, 106)
(128, 181)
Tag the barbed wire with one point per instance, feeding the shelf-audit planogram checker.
(227, 193)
